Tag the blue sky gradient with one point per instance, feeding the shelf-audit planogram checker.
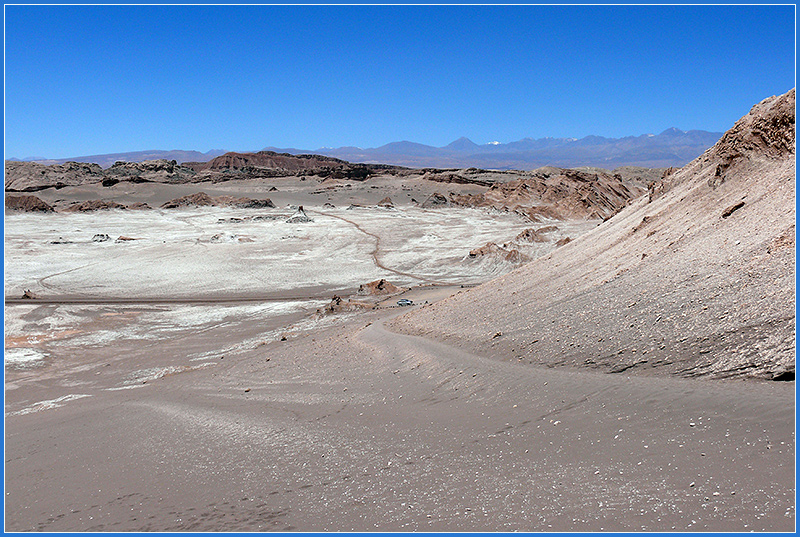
(83, 80)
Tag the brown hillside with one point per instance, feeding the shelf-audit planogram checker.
(27, 204)
(93, 205)
(695, 279)
(267, 159)
(32, 176)
(557, 193)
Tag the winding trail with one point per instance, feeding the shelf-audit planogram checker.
(86, 300)
(376, 250)
(53, 287)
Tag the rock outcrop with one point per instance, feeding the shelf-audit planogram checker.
(435, 200)
(32, 176)
(93, 205)
(245, 203)
(379, 287)
(535, 235)
(339, 305)
(235, 165)
(149, 171)
(27, 204)
(201, 199)
(557, 193)
(299, 217)
(492, 250)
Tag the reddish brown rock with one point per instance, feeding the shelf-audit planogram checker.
(201, 199)
(379, 287)
(557, 193)
(27, 204)
(339, 305)
(93, 205)
(491, 249)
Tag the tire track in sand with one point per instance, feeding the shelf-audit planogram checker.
(375, 251)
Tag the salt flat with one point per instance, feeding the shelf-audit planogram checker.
(219, 251)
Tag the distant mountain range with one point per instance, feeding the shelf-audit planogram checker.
(109, 159)
(673, 147)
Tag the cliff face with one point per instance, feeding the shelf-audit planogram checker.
(267, 159)
(558, 193)
(695, 279)
(32, 176)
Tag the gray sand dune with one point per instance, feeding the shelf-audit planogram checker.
(354, 427)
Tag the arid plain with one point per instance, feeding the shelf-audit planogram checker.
(586, 350)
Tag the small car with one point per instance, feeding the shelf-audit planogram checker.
(405, 302)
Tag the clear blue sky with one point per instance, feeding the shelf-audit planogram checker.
(86, 80)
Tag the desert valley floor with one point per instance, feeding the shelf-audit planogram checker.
(617, 356)
(177, 406)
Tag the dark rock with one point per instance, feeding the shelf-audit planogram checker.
(201, 199)
(733, 208)
(29, 295)
(27, 204)
(93, 205)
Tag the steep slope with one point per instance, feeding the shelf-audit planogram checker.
(694, 279)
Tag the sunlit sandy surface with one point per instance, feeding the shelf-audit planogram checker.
(183, 382)
(202, 252)
(210, 275)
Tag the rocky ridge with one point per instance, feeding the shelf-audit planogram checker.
(557, 193)
(201, 199)
(32, 176)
